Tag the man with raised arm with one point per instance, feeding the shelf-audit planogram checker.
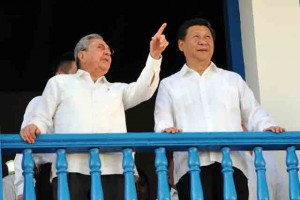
(87, 103)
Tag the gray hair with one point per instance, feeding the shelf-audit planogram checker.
(83, 44)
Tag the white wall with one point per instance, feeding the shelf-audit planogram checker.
(271, 47)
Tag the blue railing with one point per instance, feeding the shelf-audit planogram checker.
(158, 143)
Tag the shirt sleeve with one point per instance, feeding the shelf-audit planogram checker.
(145, 86)
(29, 111)
(43, 115)
(254, 115)
(163, 116)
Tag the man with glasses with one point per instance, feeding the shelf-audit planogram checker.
(87, 103)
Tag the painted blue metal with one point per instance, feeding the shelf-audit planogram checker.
(161, 165)
(194, 166)
(234, 38)
(28, 166)
(209, 141)
(229, 192)
(62, 172)
(213, 141)
(260, 168)
(95, 166)
(292, 168)
(128, 168)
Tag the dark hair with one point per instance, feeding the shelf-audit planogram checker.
(63, 62)
(182, 31)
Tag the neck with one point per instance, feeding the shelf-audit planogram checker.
(95, 74)
(199, 67)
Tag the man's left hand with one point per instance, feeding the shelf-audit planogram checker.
(275, 129)
(158, 43)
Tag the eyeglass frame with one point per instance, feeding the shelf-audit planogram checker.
(112, 51)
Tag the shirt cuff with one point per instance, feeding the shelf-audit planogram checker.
(151, 62)
(40, 126)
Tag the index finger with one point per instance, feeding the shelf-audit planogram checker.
(161, 29)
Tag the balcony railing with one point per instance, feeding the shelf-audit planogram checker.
(158, 143)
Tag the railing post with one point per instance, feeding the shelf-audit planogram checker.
(292, 168)
(128, 167)
(194, 165)
(62, 172)
(262, 187)
(229, 192)
(161, 165)
(28, 166)
(95, 166)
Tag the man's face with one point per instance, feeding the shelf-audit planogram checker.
(198, 44)
(97, 57)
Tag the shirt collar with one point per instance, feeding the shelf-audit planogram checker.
(186, 70)
(82, 73)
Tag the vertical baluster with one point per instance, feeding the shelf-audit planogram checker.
(194, 165)
(292, 168)
(260, 168)
(161, 165)
(62, 172)
(28, 166)
(95, 166)
(128, 167)
(229, 192)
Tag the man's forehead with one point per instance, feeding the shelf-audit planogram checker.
(197, 28)
(98, 41)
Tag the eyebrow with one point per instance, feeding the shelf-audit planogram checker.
(102, 44)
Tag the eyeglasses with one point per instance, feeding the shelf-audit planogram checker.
(112, 51)
(103, 48)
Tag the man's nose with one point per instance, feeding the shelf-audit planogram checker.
(202, 41)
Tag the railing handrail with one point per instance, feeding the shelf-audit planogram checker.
(192, 142)
(148, 141)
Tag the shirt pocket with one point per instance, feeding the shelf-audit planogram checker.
(229, 97)
(74, 97)
(183, 100)
(111, 99)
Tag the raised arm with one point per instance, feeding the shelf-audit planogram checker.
(145, 86)
(158, 43)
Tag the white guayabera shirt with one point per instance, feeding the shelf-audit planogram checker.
(74, 103)
(215, 101)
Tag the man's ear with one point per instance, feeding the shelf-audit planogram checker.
(80, 55)
(59, 72)
(180, 44)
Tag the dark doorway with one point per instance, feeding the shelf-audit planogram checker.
(34, 33)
